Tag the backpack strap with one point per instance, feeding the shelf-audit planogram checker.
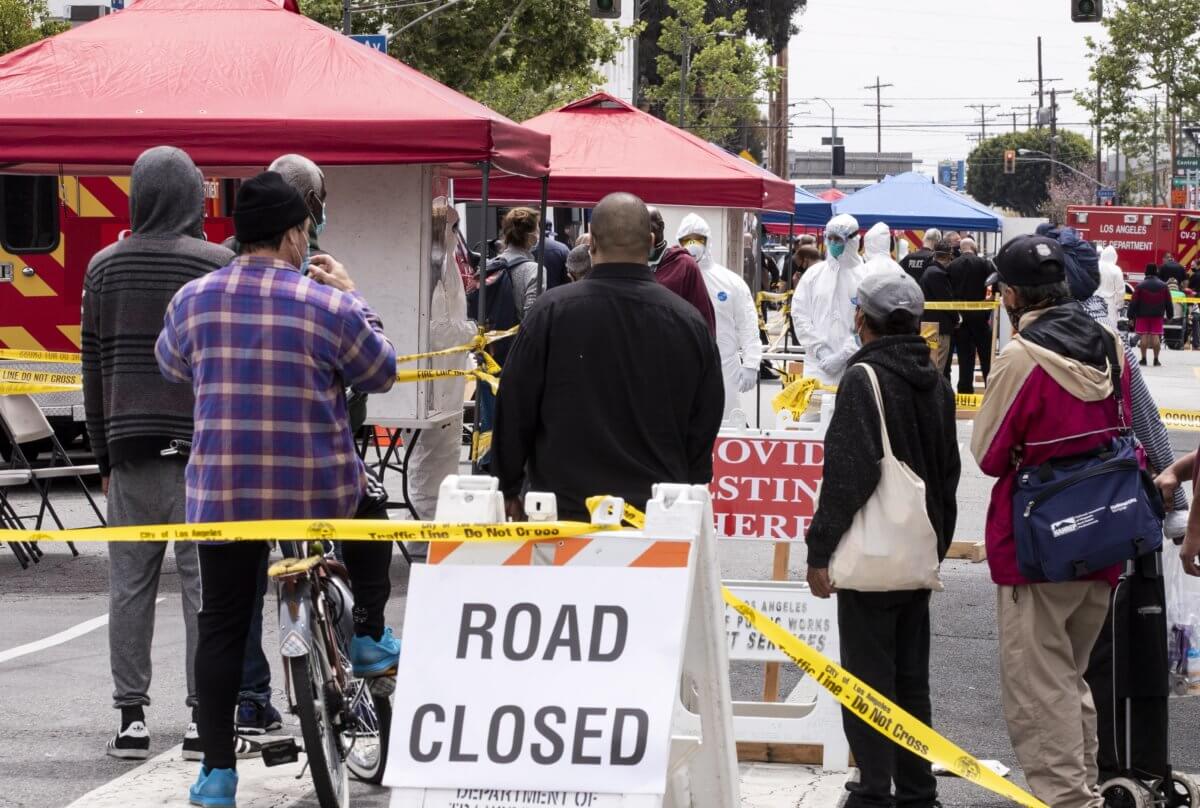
(1114, 370)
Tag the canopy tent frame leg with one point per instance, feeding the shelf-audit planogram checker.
(541, 255)
(481, 312)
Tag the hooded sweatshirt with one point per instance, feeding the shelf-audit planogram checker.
(877, 248)
(919, 406)
(132, 411)
(1049, 395)
(675, 269)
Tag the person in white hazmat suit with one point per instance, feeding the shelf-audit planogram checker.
(823, 303)
(737, 318)
(438, 449)
(1112, 285)
(877, 249)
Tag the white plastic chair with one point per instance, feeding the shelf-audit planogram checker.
(25, 423)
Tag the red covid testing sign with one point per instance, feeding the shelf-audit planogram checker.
(765, 487)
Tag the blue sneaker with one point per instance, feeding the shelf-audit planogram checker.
(257, 719)
(374, 657)
(214, 788)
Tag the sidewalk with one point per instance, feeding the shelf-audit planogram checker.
(778, 785)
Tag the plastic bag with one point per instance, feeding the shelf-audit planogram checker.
(1183, 610)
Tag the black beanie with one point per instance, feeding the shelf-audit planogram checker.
(267, 207)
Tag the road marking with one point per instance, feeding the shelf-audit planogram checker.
(165, 780)
(59, 638)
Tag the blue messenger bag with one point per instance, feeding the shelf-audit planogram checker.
(1074, 516)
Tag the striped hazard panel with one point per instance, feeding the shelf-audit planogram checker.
(1188, 247)
(602, 551)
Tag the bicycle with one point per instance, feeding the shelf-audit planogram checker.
(344, 720)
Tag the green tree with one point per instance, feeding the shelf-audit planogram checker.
(23, 22)
(726, 72)
(1151, 47)
(519, 57)
(1024, 191)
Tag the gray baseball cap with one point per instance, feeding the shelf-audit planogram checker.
(886, 290)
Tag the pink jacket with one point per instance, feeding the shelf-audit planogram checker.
(1037, 396)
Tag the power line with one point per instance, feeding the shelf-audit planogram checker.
(983, 108)
(879, 107)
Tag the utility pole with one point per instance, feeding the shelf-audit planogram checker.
(685, 47)
(1014, 117)
(779, 158)
(1099, 141)
(1053, 133)
(879, 107)
(346, 17)
(1154, 152)
(1040, 81)
(983, 108)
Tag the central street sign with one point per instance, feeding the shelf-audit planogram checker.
(373, 41)
(1189, 163)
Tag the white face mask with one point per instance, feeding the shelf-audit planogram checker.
(696, 250)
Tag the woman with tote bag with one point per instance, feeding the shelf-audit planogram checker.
(884, 521)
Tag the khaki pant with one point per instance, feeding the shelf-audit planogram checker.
(1046, 636)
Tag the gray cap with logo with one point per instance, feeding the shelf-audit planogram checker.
(885, 291)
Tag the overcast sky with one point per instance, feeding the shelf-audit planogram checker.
(941, 55)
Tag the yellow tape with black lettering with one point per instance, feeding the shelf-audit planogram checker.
(23, 389)
(1180, 419)
(23, 355)
(891, 721)
(961, 305)
(967, 402)
(630, 515)
(307, 529)
(478, 344)
(433, 375)
(41, 377)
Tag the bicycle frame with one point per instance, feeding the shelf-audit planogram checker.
(303, 620)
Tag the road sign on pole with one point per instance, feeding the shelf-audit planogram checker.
(1188, 163)
(373, 41)
(1106, 193)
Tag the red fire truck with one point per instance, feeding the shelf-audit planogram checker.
(50, 227)
(1141, 236)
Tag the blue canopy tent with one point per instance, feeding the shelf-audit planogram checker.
(811, 210)
(913, 201)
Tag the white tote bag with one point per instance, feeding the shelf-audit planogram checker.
(891, 544)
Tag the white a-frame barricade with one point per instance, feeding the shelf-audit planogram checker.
(765, 488)
(539, 673)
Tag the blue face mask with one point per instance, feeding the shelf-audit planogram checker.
(836, 248)
(319, 227)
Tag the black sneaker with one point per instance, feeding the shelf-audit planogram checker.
(131, 743)
(1157, 364)
(191, 744)
(257, 719)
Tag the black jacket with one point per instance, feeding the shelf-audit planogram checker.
(935, 283)
(969, 275)
(920, 418)
(1173, 269)
(613, 384)
(915, 263)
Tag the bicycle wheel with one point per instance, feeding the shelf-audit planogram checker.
(366, 739)
(315, 693)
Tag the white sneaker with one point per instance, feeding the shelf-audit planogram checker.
(131, 743)
(191, 743)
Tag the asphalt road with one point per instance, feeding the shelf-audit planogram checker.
(55, 702)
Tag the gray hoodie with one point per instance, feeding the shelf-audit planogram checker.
(132, 411)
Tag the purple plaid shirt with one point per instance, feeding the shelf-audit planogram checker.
(269, 353)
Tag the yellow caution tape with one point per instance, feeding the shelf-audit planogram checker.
(312, 529)
(1189, 300)
(962, 305)
(967, 401)
(41, 377)
(23, 389)
(23, 355)
(772, 297)
(891, 721)
(478, 344)
(433, 375)
(481, 444)
(630, 514)
(796, 396)
(1180, 419)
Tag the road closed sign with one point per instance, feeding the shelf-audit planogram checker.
(536, 683)
(765, 487)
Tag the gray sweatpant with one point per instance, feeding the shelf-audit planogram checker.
(146, 492)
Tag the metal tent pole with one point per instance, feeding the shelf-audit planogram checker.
(481, 311)
(541, 256)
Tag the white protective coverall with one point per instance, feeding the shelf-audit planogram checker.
(1112, 285)
(438, 449)
(822, 307)
(877, 248)
(737, 318)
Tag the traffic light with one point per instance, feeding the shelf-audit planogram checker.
(1087, 10)
(606, 9)
(839, 161)
(1010, 161)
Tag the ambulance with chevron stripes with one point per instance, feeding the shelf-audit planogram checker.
(1141, 236)
(50, 227)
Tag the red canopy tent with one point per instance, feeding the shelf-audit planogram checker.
(831, 195)
(235, 83)
(602, 144)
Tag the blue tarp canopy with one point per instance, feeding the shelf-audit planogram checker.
(810, 210)
(912, 201)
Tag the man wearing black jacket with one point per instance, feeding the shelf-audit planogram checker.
(936, 286)
(613, 384)
(885, 636)
(969, 276)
